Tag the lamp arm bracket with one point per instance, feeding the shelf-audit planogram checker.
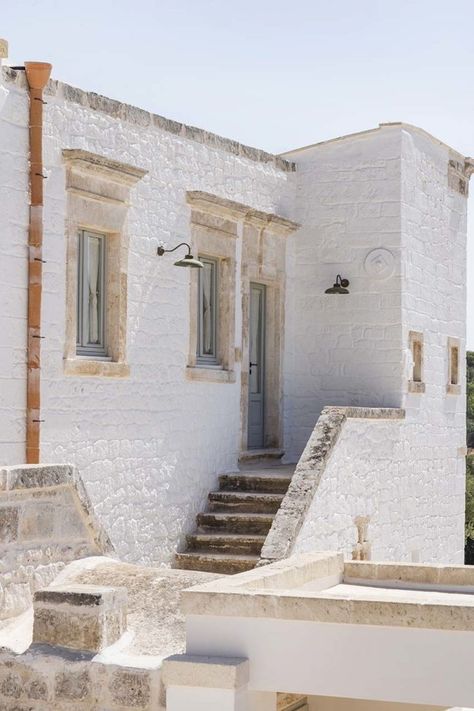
(162, 250)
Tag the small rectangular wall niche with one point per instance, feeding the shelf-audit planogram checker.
(454, 383)
(416, 345)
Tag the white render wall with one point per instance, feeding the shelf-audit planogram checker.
(407, 476)
(149, 448)
(409, 481)
(14, 215)
(343, 349)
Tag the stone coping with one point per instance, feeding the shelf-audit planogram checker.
(410, 575)
(208, 672)
(25, 478)
(81, 595)
(305, 481)
(141, 117)
(208, 202)
(301, 589)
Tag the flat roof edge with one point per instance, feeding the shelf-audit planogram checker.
(380, 127)
(144, 118)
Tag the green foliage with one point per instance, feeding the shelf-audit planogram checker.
(470, 496)
(470, 398)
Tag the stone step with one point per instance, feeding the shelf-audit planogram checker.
(224, 543)
(264, 481)
(243, 501)
(234, 522)
(216, 563)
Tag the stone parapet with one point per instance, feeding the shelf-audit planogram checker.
(140, 117)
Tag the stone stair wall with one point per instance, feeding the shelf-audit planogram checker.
(295, 512)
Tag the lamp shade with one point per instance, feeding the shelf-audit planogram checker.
(189, 261)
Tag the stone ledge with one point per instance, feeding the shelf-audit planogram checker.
(87, 162)
(299, 588)
(95, 368)
(305, 481)
(208, 202)
(415, 386)
(210, 375)
(207, 672)
(440, 576)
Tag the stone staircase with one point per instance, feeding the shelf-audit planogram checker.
(231, 533)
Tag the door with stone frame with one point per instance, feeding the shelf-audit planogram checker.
(256, 394)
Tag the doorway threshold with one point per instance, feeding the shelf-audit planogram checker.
(254, 456)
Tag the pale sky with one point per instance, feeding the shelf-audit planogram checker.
(276, 74)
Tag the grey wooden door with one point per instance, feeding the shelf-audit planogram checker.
(256, 367)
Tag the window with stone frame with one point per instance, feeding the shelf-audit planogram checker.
(212, 338)
(91, 295)
(208, 312)
(454, 382)
(416, 344)
(98, 199)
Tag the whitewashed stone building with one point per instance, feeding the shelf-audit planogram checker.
(147, 385)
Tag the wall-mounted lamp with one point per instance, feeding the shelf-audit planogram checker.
(340, 287)
(188, 259)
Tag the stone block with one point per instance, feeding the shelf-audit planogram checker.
(8, 524)
(82, 617)
(12, 686)
(73, 685)
(131, 688)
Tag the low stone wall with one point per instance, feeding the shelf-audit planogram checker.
(44, 678)
(46, 521)
(295, 508)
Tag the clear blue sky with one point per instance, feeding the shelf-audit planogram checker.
(271, 73)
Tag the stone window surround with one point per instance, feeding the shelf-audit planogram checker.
(214, 236)
(98, 191)
(453, 386)
(416, 338)
(263, 261)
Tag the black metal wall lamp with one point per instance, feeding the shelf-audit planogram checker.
(339, 287)
(187, 261)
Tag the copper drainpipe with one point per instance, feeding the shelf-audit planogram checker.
(37, 75)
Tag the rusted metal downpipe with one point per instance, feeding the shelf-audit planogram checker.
(37, 74)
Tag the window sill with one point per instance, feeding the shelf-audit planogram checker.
(210, 374)
(452, 389)
(95, 368)
(415, 387)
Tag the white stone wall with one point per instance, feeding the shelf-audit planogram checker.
(410, 486)
(408, 477)
(343, 349)
(149, 448)
(14, 259)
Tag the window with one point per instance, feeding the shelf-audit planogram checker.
(416, 384)
(90, 338)
(206, 353)
(454, 386)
